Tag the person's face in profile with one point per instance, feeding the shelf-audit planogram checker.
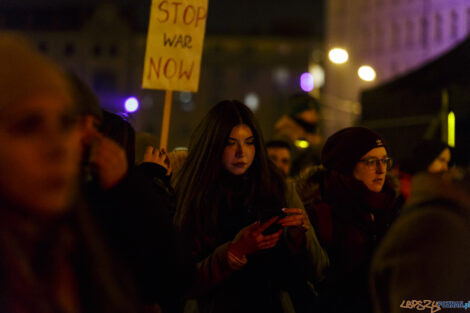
(441, 163)
(281, 158)
(240, 150)
(372, 168)
(39, 154)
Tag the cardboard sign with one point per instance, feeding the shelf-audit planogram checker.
(174, 45)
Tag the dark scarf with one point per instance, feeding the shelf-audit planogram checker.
(349, 197)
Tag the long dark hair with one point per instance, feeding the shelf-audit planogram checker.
(198, 187)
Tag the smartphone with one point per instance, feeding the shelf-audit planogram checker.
(268, 214)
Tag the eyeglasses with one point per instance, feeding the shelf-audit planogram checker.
(373, 163)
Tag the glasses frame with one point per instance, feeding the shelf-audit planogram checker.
(373, 162)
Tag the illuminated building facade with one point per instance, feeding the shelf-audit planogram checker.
(392, 36)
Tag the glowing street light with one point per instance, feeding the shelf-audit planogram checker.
(366, 73)
(338, 55)
(302, 143)
(131, 104)
(451, 129)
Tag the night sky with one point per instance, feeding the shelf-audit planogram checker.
(231, 17)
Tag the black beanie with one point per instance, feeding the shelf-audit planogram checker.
(301, 102)
(422, 156)
(85, 99)
(346, 147)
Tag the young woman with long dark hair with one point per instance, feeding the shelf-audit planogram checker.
(247, 228)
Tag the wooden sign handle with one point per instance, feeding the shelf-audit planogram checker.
(166, 119)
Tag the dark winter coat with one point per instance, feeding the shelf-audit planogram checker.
(274, 280)
(32, 265)
(350, 221)
(136, 216)
(426, 253)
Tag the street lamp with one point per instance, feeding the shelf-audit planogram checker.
(338, 55)
(366, 73)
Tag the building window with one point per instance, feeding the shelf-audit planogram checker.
(409, 33)
(379, 38)
(468, 21)
(424, 32)
(69, 49)
(97, 50)
(366, 37)
(43, 46)
(113, 50)
(395, 36)
(438, 28)
(104, 81)
(394, 68)
(454, 25)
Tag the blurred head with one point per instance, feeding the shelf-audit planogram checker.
(304, 109)
(39, 137)
(441, 163)
(280, 154)
(89, 110)
(360, 153)
(428, 155)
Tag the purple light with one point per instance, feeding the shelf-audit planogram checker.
(131, 104)
(306, 82)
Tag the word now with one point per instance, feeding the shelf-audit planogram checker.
(170, 68)
(173, 12)
(182, 41)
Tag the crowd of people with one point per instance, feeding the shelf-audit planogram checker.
(97, 218)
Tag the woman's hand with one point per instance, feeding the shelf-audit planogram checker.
(109, 160)
(158, 156)
(251, 239)
(297, 222)
(295, 218)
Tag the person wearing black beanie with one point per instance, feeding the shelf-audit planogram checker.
(351, 204)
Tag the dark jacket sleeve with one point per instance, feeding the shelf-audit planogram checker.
(136, 216)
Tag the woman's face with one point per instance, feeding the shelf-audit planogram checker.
(441, 163)
(239, 150)
(39, 155)
(372, 174)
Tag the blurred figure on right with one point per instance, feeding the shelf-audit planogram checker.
(432, 156)
(426, 253)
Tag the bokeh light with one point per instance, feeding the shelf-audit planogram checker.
(366, 73)
(338, 55)
(306, 82)
(252, 101)
(131, 104)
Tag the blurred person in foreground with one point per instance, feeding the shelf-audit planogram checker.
(133, 205)
(426, 253)
(52, 256)
(279, 152)
(228, 196)
(351, 204)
